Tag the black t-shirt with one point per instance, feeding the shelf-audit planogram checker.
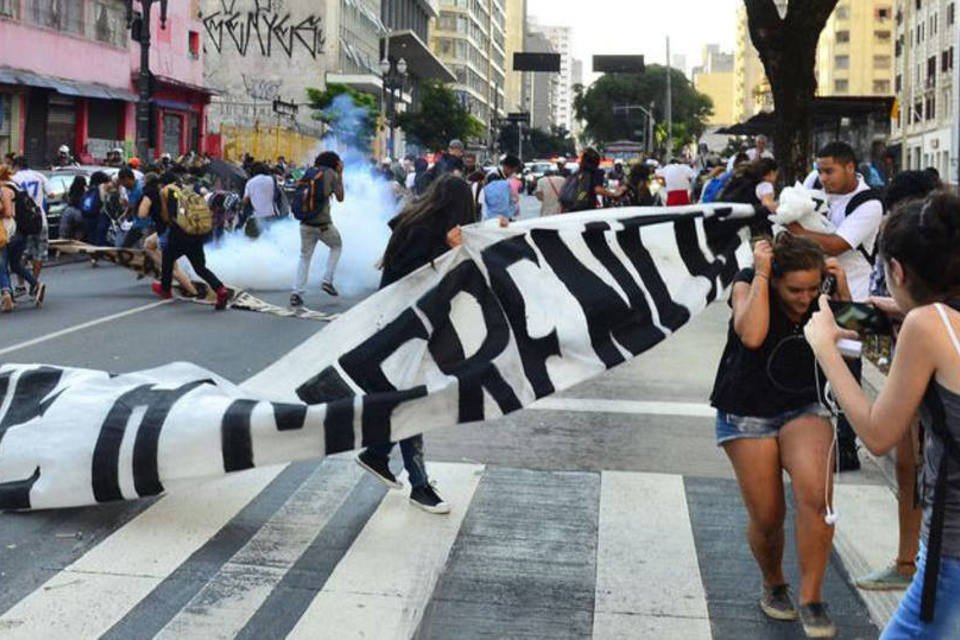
(153, 193)
(777, 377)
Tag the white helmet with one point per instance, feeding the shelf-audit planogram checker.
(64, 149)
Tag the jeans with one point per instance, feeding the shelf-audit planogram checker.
(97, 228)
(181, 244)
(906, 622)
(15, 259)
(412, 450)
(4, 271)
(309, 236)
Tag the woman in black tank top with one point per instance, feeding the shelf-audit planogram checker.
(920, 247)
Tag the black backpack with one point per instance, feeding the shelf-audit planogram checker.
(25, 211)
(740, 188)
(576, 194)
(858, 199)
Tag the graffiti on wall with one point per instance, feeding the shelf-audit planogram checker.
(262, 27)
(261, 88)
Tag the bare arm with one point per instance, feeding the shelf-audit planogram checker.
(883, 424)
(6, 203)
(751, 302)
(831, 243)
(143, 211)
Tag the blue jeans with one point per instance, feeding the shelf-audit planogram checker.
(4, 271)
(412, 450)
(14, 262)
(906, 622)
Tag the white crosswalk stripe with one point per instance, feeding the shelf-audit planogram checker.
(649, 570)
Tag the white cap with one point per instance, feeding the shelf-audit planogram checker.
(118, 150)
(64, 149)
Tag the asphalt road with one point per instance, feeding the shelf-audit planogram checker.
(525, 553)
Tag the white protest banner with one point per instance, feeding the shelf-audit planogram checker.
(513, 315)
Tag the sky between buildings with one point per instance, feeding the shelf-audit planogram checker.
(641, 27)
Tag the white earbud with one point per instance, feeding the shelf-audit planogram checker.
(831, 518)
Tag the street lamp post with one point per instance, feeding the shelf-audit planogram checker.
(139, 25)
(394, 76)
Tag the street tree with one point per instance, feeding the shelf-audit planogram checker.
(537, 143)
(440, 119)
(350, 115)
(787, 45)
(609, 107)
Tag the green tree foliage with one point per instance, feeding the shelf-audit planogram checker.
(603, 124)
(351, 115)
(440, 119)
(537, 143)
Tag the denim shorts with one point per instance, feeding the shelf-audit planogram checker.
(906, 624)
(732, 427)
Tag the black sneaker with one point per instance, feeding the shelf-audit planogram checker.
(816, 623)
(296, 300)
(776, 603)
(847, 458)
(37, 293)
(427, 499)
(19, 291)
(380, 468)
(329, 288)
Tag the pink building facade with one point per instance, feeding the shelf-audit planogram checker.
(68, 74)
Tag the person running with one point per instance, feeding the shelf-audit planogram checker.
(920, 249)
(149, 210)
(769, 420)
(39, 189)
(181, 243)
(856, 211)
(320, 228)
(426, 229)
(16, 243)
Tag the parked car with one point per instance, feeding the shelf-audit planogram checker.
(60, 181)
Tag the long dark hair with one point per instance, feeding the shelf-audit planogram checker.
(923, 235)
(447, 203)
(75, 194)
(794, 253)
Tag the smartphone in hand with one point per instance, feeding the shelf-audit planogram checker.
(861, 317)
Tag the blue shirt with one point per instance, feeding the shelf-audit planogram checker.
(498, 200)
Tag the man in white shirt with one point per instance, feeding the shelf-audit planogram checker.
(259, 193)
(759, 150)
(548, 193)
(857, 212)
(676, 178)
(39, 189)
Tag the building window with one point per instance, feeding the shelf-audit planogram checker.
(898, 83)
(63, 15)
(951, 17)
(841, 86)
(883, 35)
(9, 9)
(6, 115)
(193, 44)
(881, 87)
(881, 62)
(882, 13)
(841, 62)
(931, 71)
(843, 12)
(930, 108)
(110, 24)
(843, 36)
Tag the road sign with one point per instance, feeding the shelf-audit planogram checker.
(536, 62)
(520, 116)
(618, 64)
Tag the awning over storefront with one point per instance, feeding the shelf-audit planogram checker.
(826, 111)
(64, 86)
(366, 82)
(420, 60)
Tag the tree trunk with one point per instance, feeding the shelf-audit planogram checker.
(788, 50)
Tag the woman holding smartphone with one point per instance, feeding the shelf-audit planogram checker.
(769, 419)
(920, 247)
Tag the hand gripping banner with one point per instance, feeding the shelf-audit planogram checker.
(513, 315)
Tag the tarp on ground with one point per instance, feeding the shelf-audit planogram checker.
(513, 315)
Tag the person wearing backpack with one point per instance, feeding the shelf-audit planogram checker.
(92, 207)
(8, 226)
(26, 220)
(311, 206)
(856, 211)
(581, 189)
(189, 221)
(920, 249)
(39, 189)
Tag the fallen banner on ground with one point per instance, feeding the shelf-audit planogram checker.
(138, 261)
(513, 315)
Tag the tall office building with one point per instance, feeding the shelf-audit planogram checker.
(469, 37)
(538, 87)
(715, 78)
(562, 107)
(516, 17)
(856, 50)
(924, 81)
